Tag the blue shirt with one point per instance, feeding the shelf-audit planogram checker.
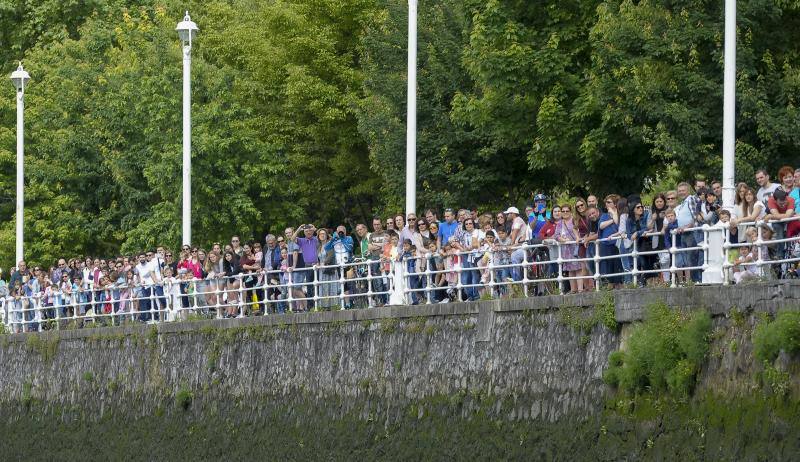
(795, 194)
(446, 230)
(608, 230)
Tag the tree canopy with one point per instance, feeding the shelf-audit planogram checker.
(299, 109)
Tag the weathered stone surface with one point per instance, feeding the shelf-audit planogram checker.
(516, 351)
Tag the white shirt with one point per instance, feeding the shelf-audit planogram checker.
(764, 193)
(145, 272)
(518, 224)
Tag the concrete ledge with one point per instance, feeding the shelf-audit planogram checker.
(630, 307)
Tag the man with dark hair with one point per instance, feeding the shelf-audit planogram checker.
(765, 187)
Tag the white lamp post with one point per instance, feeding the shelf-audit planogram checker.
(729, 107)
(186, 31)
(411, 115)
(20, 78)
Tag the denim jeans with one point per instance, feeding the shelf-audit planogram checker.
(517, 257)
(627, 264)
(470, 276)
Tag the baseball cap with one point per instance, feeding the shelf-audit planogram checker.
(512, 210)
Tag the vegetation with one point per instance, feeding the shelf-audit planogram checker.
(782, 334)
(299, 109)
(664, 353)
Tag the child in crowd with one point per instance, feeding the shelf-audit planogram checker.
(664, 260)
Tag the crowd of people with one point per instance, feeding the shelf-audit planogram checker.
(461, 255)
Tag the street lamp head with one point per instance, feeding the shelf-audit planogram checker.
(187, 29)
(20, 77)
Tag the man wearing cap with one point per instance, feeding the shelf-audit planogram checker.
(540, 214)
(517, 238)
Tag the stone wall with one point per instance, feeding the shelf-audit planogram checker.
(519, 358)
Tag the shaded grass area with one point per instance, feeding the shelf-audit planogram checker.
(636, 429)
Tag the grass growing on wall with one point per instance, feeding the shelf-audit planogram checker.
(783, 333)
(664, 353)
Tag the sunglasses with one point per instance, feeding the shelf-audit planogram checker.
(670, 198)
(234, 240)
(566, 211)
(421, 223)
(580, 205)
(638, 207)
(168, 255)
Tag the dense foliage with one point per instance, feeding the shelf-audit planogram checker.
(663, 354)
(782, 334)
(299, 108)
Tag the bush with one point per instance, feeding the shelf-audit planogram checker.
(770, 338)
(664, 353)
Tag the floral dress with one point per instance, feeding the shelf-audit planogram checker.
(566, 229)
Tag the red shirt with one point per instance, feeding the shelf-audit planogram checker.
(773, 204)
(548, 230)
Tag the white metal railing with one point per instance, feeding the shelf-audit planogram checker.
(529, 269)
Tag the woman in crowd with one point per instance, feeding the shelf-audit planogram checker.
(609, 227)
(501, 222)
(327, 275)
(656, 223)
(637, 226)
(567, 234)
(230, 271)
(582, 225)
(434, 229)
(624, 244)
(749, 210)
(213, 269)
(468, 244)
(786, 177)
(250, 267)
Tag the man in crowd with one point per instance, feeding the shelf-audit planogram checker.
(517, 238)
(17, 276)
(377, 241)
(765, 186)
(410, 233)
(447, 228)
(780, 207)
(687, 212)
(148, 278)
(308, 245)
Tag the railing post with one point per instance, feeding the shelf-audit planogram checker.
(242, 301)
(673, 253)
(428, 281)
(342, 282)
(726, 247)
(635, 258)
(370, 301)
(459, 271)
(489, 268)
(560, 266)
(596, 259)
(758, 243)
(524, 269)
(289, 290)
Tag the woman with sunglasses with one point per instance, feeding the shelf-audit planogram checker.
(609, 229)
(501, 222)
(624, 244)
(231, 269)
(655, 224)
(637, 226)
(582, 226)
(468, 243)
(567, 234)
